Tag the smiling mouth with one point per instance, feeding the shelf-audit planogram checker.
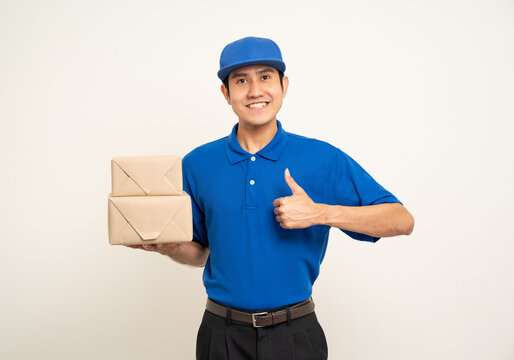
(258, 105)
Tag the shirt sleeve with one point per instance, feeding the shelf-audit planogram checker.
(353, 186)
(199, 229)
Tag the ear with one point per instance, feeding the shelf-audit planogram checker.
(224, 90)
(285, 84)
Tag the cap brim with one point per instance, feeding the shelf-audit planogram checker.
(225, 71)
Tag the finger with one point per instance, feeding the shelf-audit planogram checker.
(283, 226)
(295, 188)
(168, 245)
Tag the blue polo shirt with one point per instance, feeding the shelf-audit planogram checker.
(254, 263)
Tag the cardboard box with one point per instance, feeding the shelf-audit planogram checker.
(149, 219)
(146, 175)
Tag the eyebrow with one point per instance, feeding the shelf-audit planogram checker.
(265, 70)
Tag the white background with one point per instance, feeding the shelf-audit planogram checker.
(420, 93)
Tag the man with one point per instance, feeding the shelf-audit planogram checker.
(263, 203)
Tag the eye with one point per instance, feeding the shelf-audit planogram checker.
(239, 81)
(265, 77)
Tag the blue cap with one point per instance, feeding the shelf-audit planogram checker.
(250, 51)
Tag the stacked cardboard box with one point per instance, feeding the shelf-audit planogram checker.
(147, 204)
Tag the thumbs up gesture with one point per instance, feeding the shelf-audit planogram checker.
(298, 210)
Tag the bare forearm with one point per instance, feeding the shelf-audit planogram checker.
(380, 220)
(189, 253)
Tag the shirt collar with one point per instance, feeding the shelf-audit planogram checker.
(271, 151)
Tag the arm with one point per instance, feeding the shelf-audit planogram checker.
(185, 252)
(382, 220)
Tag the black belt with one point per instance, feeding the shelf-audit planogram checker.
(262, 319)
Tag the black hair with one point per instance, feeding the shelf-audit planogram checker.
(280, 75)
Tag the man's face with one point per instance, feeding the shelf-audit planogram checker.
(255, 93)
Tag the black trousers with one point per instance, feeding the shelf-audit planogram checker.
(222, 339)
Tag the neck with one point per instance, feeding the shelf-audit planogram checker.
(253, 138)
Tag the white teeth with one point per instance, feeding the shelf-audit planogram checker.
(257, 105)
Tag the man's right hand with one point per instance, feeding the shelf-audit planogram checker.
(184, 252)
(168, 249)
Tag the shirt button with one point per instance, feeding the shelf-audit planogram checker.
(253, 158)
(252, 182)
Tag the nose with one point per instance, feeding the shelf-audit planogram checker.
(255, 89)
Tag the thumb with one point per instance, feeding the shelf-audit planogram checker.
(295, 188)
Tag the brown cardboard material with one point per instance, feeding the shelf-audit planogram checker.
(149, 219)
(146, 175)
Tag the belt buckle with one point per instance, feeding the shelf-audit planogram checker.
(254, 320)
